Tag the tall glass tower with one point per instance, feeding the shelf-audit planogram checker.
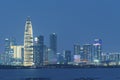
(28, 43)
(53, 43)
(97, 50)
(8, 57)
(38, 50)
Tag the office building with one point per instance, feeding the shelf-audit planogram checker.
(67, 56)
(28, 43)
(53, 43)
(52, 58)
(97, 51)
(60, 58)
(39, 50)
(76, 49)
(6, 52)
(8, 56)
(87, 53)
(18, 53)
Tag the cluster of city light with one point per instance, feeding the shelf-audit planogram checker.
(36, 53)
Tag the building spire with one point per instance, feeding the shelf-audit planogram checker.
(28, 18)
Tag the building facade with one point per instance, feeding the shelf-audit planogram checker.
(18, 53)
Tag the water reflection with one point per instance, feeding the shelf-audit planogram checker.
(83, 78)
(37, 79)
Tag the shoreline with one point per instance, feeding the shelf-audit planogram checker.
(58, 67)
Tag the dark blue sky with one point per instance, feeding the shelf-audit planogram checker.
(74, 21)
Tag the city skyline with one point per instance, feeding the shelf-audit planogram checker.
(59, 39)
(73, 21)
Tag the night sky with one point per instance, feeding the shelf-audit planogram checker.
(74, 21)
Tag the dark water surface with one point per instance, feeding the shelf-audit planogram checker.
(61, 74)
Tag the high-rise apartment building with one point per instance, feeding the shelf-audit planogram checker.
(87, 52)
(76, 49)
(97, 50)
(28, 43)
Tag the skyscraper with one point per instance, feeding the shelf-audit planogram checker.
(8, 57)
(38, 50)
(87, 52)
(76, 49)
(6, 52)
(28, 43)
(76, 55)
(97, 50)
(53, 43)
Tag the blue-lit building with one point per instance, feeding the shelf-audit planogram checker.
(8, 56)
(6, 52)
(52, 58)
(97, 50)
(67, 56)
(87, 53)
(38, 50)
(45, 55)
(76, 49)
(81, 54)
(53, 43)
(60, 58)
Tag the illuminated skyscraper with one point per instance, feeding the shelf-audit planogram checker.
(28, 43)
(6, 52)
(87, 52)
(97, 50)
